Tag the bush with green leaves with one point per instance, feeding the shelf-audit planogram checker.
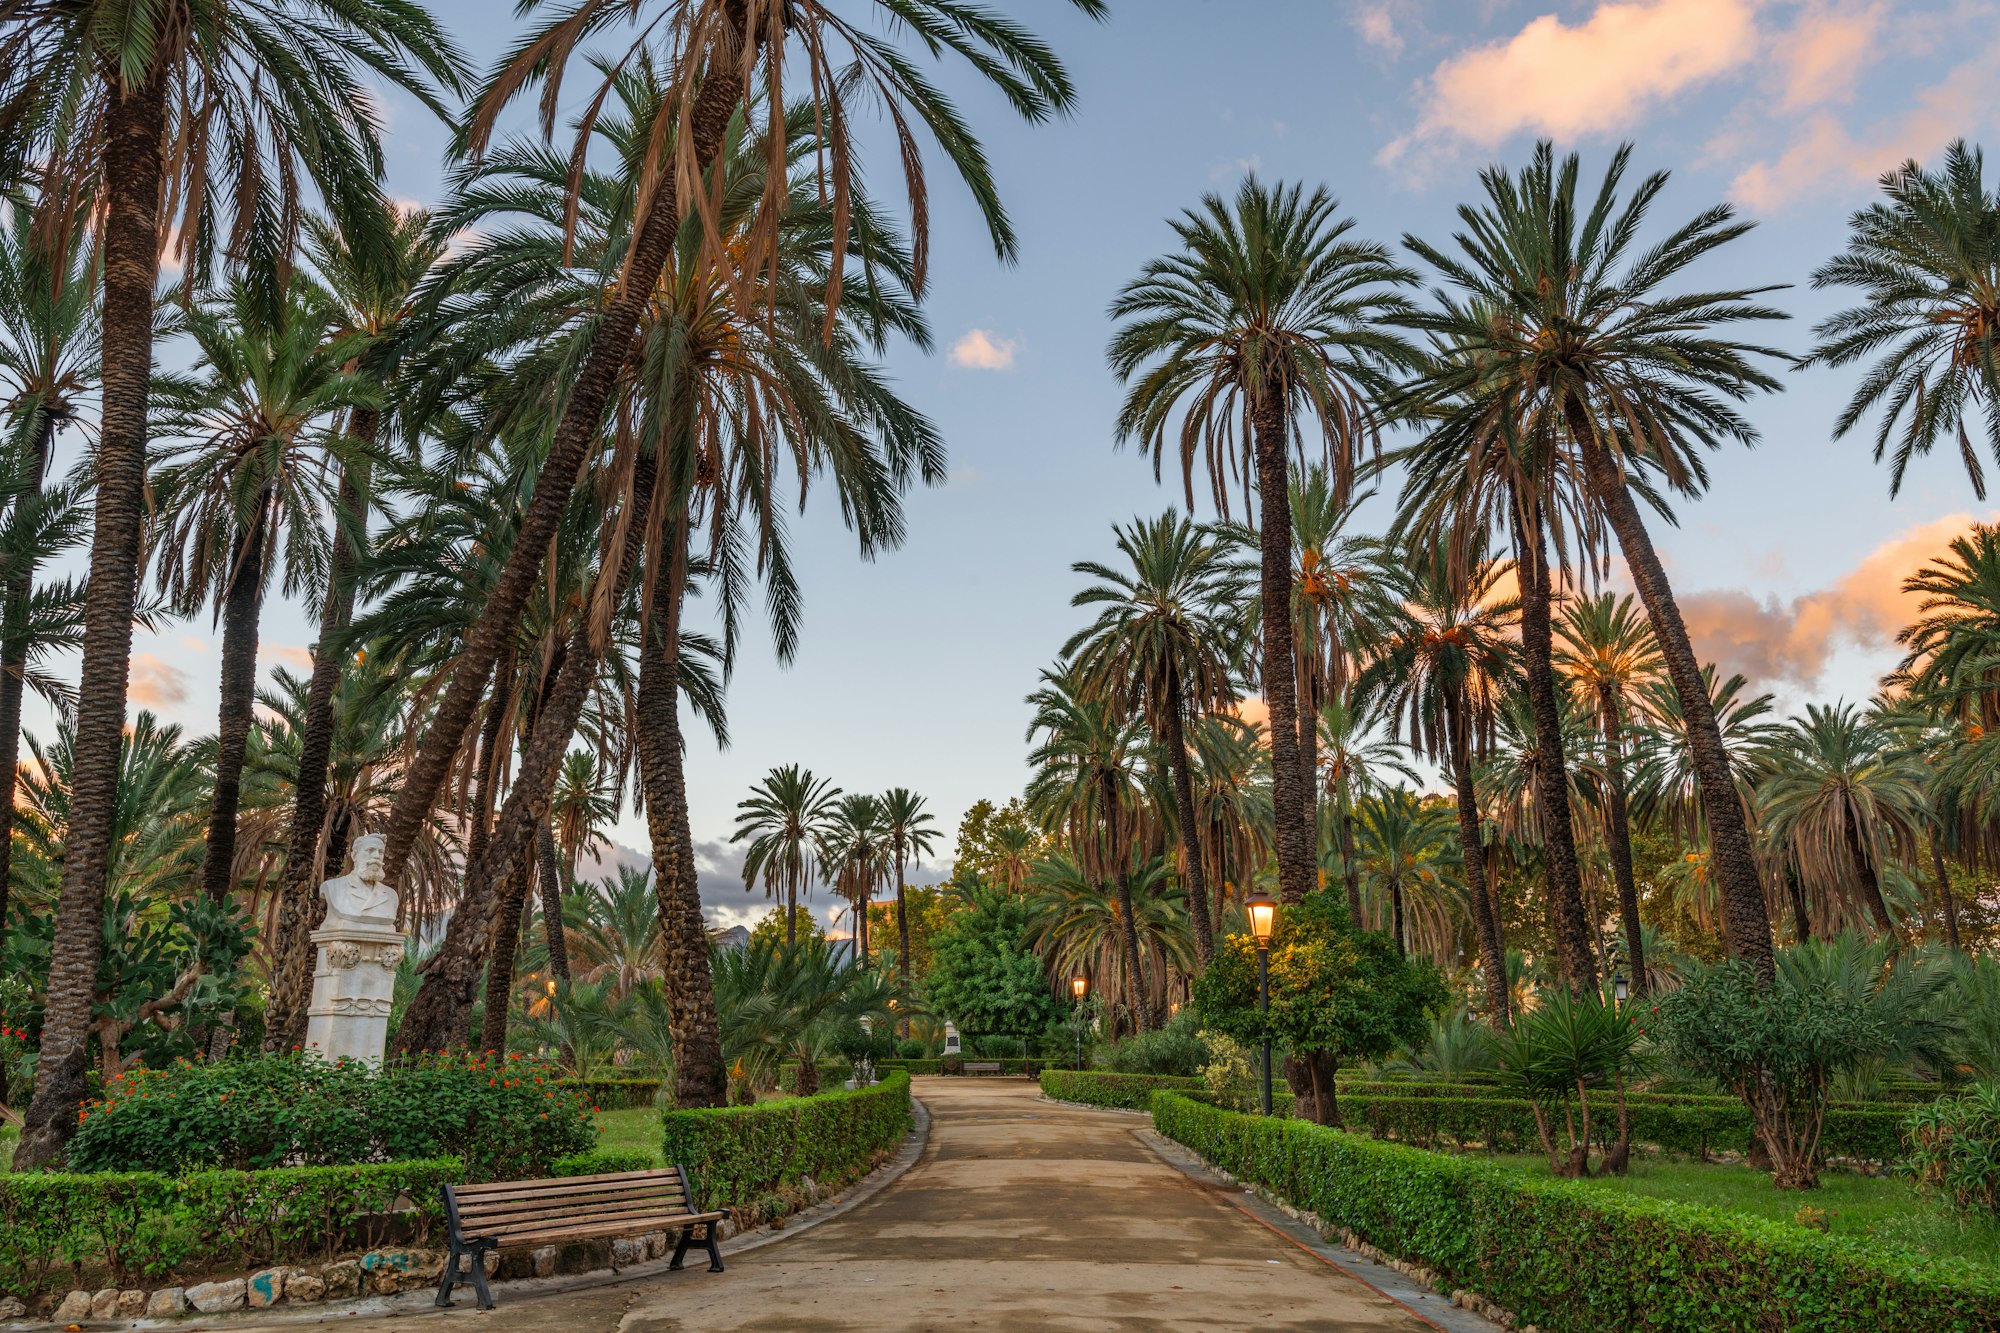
(1553, 1055)
(985, 977)
(1575, 1258)
(1124, 1092)
(1174, 1049)
(753, 1158)
(505, 1118)
(1955, 1149)
(1337, 995)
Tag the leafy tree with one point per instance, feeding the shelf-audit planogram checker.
(925, 911)
(985, 977)
(996, 844)
(1338, 995)
(773, 926)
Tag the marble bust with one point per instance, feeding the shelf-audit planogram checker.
(361, 897)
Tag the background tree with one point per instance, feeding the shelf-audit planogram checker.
(911, 831)
(786, 818)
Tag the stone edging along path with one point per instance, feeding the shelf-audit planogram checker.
(415, 1300)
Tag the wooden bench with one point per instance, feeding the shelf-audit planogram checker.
(512, 1213)
(982, 1067)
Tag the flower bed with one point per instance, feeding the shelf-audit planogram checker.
(1573, 1259)
(758, 1159)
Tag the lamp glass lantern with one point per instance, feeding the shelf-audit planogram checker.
(1621, 990)
(1079, 987)
(1262, 909)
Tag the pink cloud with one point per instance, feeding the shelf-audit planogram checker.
(156, 683)
(298, 659)
(983, 350)
(1826, 49)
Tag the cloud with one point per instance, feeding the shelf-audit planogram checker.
(195, 645)
(1826, 49)
(1566, 80)
(1375, 22)
(982, 350)
(291, 655)
(155, 683)
(1825, 155)
(1776, 642)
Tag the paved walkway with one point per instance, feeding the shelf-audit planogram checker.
(1020, 1215)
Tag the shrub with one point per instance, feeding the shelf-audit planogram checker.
(504, 1118)
(752, 1158)
(1955, 1149)
(1572, 1258)
(126, 1227)
(909, 1048)
(603, 1162)
(1176, 1049)
(1127, 1092)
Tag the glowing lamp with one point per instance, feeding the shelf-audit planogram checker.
(1262, 909)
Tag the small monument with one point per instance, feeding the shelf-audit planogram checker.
(360, 948)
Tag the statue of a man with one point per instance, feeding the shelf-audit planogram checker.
(360, 897)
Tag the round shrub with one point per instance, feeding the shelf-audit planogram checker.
(505, 1118)
(1955, 1148)
(1175, 1050)
(910, 1049)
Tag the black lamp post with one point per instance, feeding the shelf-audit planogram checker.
(1262, 910)
(1079, 986)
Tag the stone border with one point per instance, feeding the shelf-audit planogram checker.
(415, 1300)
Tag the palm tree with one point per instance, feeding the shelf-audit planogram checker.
(911, 831)
(1606, 652)
(277, 85)
(1405, 847)
(1844, 790)
(1080, 928)
(1926, 262)
(1356, 759)
(786, 817)
(714, 48)
(48, 364)
(244, 495)
(1442, 666)
(1160, 645)
(1265, 320)
(1560, 320)
(853, 857)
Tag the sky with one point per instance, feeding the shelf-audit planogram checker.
(913, 668)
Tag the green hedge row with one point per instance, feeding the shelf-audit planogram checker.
(125, 1228)
(1129, 1092)
(1425, 1088)
(749, 1157)
(1572, 1258)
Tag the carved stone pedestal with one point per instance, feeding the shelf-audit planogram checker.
(354, 987)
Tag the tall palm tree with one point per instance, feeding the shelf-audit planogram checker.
(243, 497)
(1606, 650)
(1161, 645)
(911, 831)
(1357, 760)
(1845, 792)
(1080, 928)
(262, 103)
(1441, 666)
(1560, 317)
(854, 857)
(1405, 847)
(48, 365)
(1925, 261)
(1265, 321)
(715, 50)
(786, 818)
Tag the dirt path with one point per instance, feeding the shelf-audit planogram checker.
(1020, 1215)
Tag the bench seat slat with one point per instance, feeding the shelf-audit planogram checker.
(618, 1227)
(507, 1189)
(489, 1222)
(597, 1194)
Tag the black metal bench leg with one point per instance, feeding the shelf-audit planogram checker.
(447, 1280)
(681, 1249)
(479, 1280)
(714, 1250)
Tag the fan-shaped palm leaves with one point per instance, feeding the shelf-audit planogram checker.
(911, 831)
(786, 818)
(1407, 853)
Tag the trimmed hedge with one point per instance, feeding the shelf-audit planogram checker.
(1128, 1092)
(132, 1227)
(1425, 1088)
(753, 1158)
(1575, 1259)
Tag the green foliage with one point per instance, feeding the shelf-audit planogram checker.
(1573, 1258)
(1955, 1149)
(1176, 1048)
(131, 1226)
(1231, 1077)
(750, 1157)
(1125, 1092)
(771, 926)
(802, 1002)
(603, 1162)
(1334, 989)
(505, 1119)
(984, 976)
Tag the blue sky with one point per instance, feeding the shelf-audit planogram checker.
(913, 668)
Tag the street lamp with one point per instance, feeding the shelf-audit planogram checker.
(1262, 910)
(1619, 989)
(1079, 986)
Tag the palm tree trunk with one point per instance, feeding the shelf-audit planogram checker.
(902, 925)
(1492, 948)
(1801, 918)
(242, 609)
(1143, 1017)
(721, 91)
(1350, 865)
(1396, 915)
(1191, 859)
(291, 972)
(1619, 834)
(1309, 750)
(503, 943)
(552, 900)
(699, 1076)
(135, 129)
(1572, 929)
(1945, 899)
(791, 910)
(1747, 922)
(1296, 837)
(14, 666)
(1865, 876)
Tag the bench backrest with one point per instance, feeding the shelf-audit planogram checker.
(517, 1208)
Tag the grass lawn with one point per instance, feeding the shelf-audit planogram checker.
(1870, 1207)
(637, 1130)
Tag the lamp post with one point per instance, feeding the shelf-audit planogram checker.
(1620, 990)
(1079, 986)
(1262, 910)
